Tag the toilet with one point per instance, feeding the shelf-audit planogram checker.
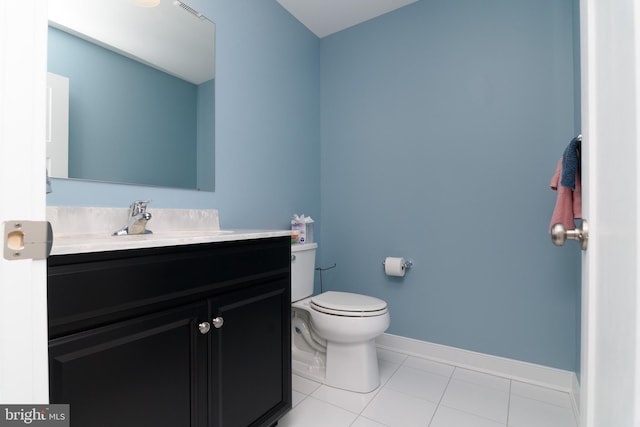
(333, 334)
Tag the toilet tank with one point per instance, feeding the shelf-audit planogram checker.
(303, 263)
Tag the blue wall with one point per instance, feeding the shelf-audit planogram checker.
(435, 129)
(441, 126)
(267, 129)
(120, 124)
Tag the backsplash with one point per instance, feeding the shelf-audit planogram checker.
(96, 220)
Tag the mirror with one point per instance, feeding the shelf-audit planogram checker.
(132, 87)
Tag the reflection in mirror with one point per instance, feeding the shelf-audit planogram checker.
(131, 93)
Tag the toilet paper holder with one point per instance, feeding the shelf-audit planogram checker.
(407, 263)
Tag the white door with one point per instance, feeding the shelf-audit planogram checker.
(610, 368)
(57, 125)
(23, 287)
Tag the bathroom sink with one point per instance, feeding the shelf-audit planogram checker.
(193, 233)
(178, 234)
(98, 242)
(78, 243)
(170, 236)
(88, 229)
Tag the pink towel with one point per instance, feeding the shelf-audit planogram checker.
(568, 203)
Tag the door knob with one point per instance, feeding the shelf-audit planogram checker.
(204, 327)
(559, 234)
(217, 322)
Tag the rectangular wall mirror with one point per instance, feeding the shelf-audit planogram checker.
(131, 93)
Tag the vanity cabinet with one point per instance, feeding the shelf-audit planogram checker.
(193, 335)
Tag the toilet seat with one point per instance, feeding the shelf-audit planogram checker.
(348, 305)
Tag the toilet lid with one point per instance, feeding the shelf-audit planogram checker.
(348, 304)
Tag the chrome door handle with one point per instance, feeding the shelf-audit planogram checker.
(204, 327)
(217, 322)
(559, 234)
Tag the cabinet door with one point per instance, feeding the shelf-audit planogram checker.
(146, 371)
(251, 356)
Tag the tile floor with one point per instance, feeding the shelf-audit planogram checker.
(420, 392)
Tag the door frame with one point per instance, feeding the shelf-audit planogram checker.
(610, 336)
(23, 284)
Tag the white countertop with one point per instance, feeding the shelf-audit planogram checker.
(88, 229)
(85, 243)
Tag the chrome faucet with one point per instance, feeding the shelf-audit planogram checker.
(138, 217)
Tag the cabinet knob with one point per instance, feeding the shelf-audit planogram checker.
(204, 327)
(217, 322)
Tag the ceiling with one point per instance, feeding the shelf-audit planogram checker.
(157, 36)
(325, 17)
(116, 24)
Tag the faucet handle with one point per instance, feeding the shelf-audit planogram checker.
(139, 206)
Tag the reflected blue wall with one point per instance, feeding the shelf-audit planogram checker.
(120, 124)
(205, 134)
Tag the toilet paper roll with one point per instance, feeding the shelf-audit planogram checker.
(394, 266)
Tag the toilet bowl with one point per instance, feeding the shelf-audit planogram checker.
(333, 333)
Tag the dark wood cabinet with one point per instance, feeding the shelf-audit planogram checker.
(150, 370)
(252, 349)
(195, 335)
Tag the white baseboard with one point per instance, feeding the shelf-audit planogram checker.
(531, 373)
(575, 396)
